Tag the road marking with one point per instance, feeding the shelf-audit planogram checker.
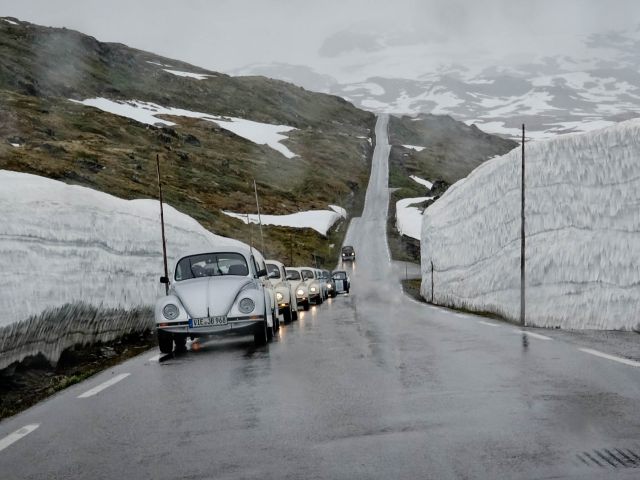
(102, 386)
(534, 335)
(488, 323)
(626, 361)
(154, 359)
(17, 435)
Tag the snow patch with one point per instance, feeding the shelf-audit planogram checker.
(10, 21)
(583, 232)
(145, 112)
(408, 217)
(422, 181)
(414, 147)
(319, 220)
(198, 76)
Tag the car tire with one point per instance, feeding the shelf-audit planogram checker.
(306, 306)
(260, 334)
(181, 343)
(276, 322)
(165, 341)
(286, 314)
(319, 300)
(294, 316)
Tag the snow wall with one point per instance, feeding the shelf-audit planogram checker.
(80, 266)
(582, 234)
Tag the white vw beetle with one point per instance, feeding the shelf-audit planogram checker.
(311, 277)
(215, 292)
(284, 291)
(301, 287)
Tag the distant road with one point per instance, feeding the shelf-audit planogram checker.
(371, 385)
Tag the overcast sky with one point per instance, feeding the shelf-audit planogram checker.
(228, 34)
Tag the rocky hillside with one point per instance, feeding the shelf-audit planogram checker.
(207, 168)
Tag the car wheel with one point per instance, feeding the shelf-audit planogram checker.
(165, 341)
(294, 315)
(306, 306)
(181, 343)
(276, 322)
(260, 334)
(269, 333)
(286, 314)
(319, 300)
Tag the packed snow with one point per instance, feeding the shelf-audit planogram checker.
(417, 148)
(582, 230)
(145, 112)
(319, 220)
(422, 181)
(66, 250)
(197, 76)
(409, 217)
(159, 64)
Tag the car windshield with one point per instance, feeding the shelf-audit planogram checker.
(293, 275)
(340, 276)
(273, 271)
(307, 274)
(348, 250)
(211, 265)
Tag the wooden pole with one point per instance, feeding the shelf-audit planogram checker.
(522, 240)
(431, 281)
(164, 240)
(255, 189)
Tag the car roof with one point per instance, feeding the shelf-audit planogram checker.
(275, 262)
(230, 248)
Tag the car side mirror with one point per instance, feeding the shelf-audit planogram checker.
(262, 273)
(273, 275)
(164, 279)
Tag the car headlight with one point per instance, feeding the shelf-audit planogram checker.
(313, 289)
(246, 305)
(300, 292)
(329, 286)
(170, 311)
(279, 296)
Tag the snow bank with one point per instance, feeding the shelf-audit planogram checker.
(414, 147)
(145, 112)
(80, 265)
(320, 220)
(583, 234)
(408, 217)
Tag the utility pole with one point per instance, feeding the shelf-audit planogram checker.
(255, 189)
(290, 249)
(522, 241)
(164, 241)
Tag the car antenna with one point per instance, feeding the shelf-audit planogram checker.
(255, 189)
(164, 240)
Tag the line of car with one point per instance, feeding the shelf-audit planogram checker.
(233, 290)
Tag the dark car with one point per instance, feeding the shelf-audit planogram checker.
(341, 281)
(348, 253)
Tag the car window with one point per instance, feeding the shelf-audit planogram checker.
(340, 276)
(347, 249)
(273, 271)
(307, 274)
(211, 265)
(294, 274)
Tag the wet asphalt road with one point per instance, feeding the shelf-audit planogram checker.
(371, 385)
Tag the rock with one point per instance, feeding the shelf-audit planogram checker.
(192, 140)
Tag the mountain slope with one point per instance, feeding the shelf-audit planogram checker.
(206, 166)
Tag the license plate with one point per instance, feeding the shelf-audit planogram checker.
(208, 321)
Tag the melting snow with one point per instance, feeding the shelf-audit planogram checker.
(583, 233)
(199, 76)
(319, 220)
(408, 217)
(144, 112)
(414, 147)
(422, 181)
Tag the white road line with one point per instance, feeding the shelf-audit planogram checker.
(102, 386)
(154, 359)
(17, 435)
(626, 361)
(488, 323)
(534, 335)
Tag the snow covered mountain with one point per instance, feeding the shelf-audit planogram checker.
(551, 95)
(582, 230)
